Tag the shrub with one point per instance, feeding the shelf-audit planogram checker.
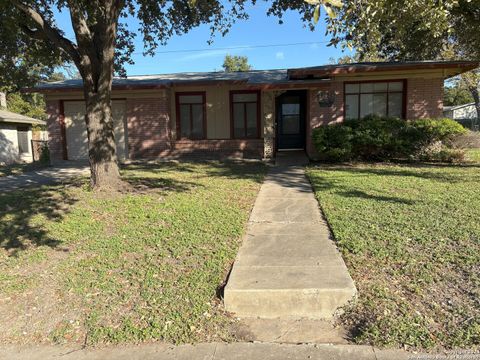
(377, 138)
(384, 138)
(334, 142)
(444, 130)
(44, 154)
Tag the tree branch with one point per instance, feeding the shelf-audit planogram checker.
(89, 56)
(50, 33)
(79, 23)
(34, 34)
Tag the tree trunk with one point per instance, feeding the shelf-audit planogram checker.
(476, 99)
(101, 142)
(96, 32)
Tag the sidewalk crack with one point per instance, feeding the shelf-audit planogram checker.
(214, 351)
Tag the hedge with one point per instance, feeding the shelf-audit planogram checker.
(383, 138)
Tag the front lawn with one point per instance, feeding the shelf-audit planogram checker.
(473, 155)
(410, 236)
(76, 266)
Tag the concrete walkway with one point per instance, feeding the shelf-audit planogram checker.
(288, 266)
(210, 351)
(51, 175)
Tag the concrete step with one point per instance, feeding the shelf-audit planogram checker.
(291, 158)
(313, 292)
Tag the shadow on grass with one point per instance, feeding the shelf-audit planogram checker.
(409, 170)
(227, 169)
(364, 195)
(18, 210)
(340, 185)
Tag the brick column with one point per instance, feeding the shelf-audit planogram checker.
(268, 124)
(56, 130)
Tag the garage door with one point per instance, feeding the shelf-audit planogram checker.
(76, 130)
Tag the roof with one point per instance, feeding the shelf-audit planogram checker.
(456, 67)
(10, 117)
(261, 77)
(456, 107)
(253, 77)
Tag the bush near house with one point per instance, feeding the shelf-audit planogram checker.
(383, 138)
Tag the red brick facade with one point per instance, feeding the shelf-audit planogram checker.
(148, 127)
(54, 127)
(424, 98)
(318, 116)
(149, 123)
(218, 148)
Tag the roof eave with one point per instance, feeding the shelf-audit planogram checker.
(461, 67)
(17, 121)
(59, 89)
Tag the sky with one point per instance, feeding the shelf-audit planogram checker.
(247, 35)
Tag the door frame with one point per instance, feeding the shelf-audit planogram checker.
(303, 116)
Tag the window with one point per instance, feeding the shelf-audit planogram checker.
(191, 115)
(245, 114)
(22, 137)
(384, 98)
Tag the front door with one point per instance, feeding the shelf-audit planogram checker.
(291, 120)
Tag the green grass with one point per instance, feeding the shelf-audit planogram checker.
(126, 268)
(17, 169)
(473, 155)
(410, 236)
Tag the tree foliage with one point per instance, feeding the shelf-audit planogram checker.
(23, 60)
(233, 63)
(457, 93)
(32, 105)
(407, 29)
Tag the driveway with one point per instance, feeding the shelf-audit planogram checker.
(56, 174)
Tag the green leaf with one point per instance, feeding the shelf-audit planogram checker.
(316, 14)
(330, 11)
(336, 3)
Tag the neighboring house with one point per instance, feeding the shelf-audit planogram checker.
(244, 114)
(459, 112)
(16, 137)
(465, 114)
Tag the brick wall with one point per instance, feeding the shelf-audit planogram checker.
(148, 127)
(225, 148)
(318, 116)
(149, 136)
(424, 98)
(54, 127)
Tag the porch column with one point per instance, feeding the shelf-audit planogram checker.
(268, 124)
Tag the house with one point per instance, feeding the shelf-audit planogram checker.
(245, 114)
(16, 137)
(465, 114)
